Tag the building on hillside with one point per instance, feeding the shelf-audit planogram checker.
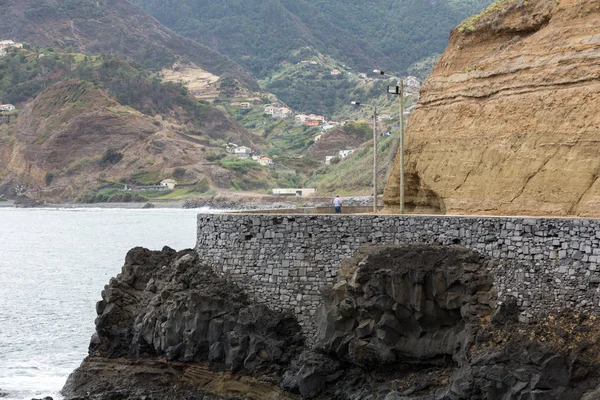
(284, 112)
(311, 123)
(327, 127)
(335, 72)
(243, 152)
(362, 75)
(170, 183)
(7, 107)
(300, 192)
(278, 112)
(255, 158)
(245, 105)
(384, 117)
(270, 110)
(301, 118)
(328, 159)
(265, 161)
(345, 153)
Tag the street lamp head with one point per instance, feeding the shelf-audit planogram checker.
(393, 89)
(378, 71)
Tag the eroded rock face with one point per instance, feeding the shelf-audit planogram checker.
(508, 123)
(165, 305)
(406, 304)
(421, 322)
(410, 322)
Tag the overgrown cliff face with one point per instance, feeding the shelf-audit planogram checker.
(508, 123)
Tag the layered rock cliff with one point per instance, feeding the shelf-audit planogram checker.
(403, 322)
(509, 121)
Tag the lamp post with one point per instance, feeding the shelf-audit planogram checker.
(399, 91)
(357, 103)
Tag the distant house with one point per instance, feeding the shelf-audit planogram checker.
(170, 183)
(384, 117)
(255, 158)
(245, 105)
(301, 118)
(7, 107)
(345, 153)
(279, 112)
(242, 151)
(328, 159)
(335, 72)
(270, 110)
(362, 75)
(311, 123)
(266, 161)
(301, 192)
(284, 112)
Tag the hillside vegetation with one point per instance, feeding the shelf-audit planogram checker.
(110, 27)
(388, 34)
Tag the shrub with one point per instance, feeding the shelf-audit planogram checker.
(49, 178)
(110, 156)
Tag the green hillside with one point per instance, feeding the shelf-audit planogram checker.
(259, 34)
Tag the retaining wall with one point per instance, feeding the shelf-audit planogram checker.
(549, 264)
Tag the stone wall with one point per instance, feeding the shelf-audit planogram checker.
(284, 261)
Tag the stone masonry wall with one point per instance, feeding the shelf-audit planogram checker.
(284, 261)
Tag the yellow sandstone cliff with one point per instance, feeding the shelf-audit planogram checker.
(509, 121)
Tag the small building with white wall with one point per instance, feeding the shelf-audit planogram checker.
(299, 192)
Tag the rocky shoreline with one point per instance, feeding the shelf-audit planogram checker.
(410, 322)
(217, 203)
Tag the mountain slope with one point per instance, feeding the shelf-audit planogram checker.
(90, 121)
(509, 122)
(110, 26)
(386, 34)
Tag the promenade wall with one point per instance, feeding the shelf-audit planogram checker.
(549, 264)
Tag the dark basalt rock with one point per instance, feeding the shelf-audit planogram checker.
(398, 310)
(418, 322)
(166, 305)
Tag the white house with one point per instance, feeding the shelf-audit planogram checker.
(7, 107)
(345, 153)
(170, 183)
(301, 192)
(242, 151)
(266, 161)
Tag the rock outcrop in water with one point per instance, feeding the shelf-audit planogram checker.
(414, 322)
(509, 121)
(165, 310)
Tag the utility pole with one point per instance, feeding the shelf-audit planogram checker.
(375, 160)
(401, 195)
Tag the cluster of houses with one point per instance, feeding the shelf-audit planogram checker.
(7, 44)
(246, 152)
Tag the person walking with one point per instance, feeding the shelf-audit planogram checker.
(337, 205)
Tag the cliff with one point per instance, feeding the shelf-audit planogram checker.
(410, 322)
(509, 121)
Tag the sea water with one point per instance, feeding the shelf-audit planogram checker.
(53, 265)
